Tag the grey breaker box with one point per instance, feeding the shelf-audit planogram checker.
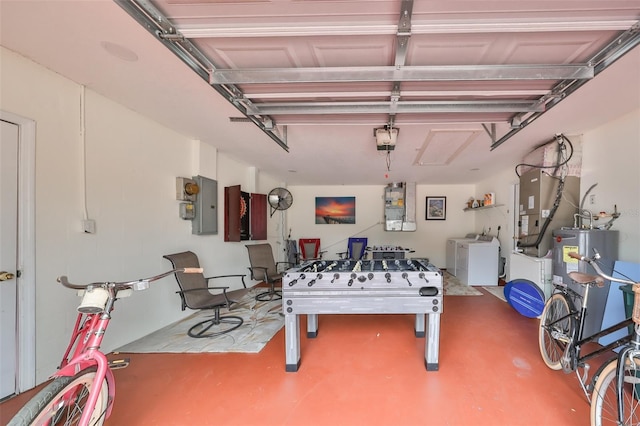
(400, 206)
(206, 207)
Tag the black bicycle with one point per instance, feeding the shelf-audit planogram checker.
(615, 399)
(561, 336)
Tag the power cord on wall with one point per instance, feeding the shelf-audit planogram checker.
(344, 240)
(88, 225)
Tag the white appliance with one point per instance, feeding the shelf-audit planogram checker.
(452, 251)
(535, 269)
(477, 261)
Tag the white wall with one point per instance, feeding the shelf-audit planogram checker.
(611, 159)
(501, 216)
(429, 240)
(131, 166)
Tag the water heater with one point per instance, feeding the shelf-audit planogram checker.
(585, 242)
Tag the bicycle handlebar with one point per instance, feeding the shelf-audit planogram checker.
(635, 315)
(135, 285)
(600, 272)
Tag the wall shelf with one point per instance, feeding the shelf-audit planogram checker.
(468, 209)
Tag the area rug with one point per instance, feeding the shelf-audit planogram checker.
(453, 287)
(497, 292)
(262, 320)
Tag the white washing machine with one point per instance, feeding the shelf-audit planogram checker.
(452, 252)
(477, 261)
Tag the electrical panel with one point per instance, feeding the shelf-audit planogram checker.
(538, 193)
(206, 207)
(400, 206)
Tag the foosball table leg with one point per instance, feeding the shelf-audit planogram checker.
(432, 343)
(292, 342)
(312, 325)
(420, 325)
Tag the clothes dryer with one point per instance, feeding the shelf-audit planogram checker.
(452, 252)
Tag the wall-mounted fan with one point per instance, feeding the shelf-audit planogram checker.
(279, 199)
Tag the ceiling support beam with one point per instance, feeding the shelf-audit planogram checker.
(402, 73)
(404, 32)
(404, 93)
(491, 132)
(471, 26)
(400, 107)
(402, 44)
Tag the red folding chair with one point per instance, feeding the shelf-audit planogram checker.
(310, 249)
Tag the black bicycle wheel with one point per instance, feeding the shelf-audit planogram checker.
(556, 330)
(62, 402)
(604, 409)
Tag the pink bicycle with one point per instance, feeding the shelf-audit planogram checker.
(83, 389)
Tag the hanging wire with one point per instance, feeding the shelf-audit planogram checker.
(560, 139)
(388, 160)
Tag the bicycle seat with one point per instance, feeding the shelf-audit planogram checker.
(586, 279)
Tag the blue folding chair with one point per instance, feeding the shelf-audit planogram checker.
(356, 248)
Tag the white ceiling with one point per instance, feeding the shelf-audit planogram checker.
(264, 43)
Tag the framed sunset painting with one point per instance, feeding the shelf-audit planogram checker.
(335, 210)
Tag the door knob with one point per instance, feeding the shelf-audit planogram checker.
(6, 276)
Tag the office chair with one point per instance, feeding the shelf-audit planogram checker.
(265, 268)
(195, 294)
(310, 249)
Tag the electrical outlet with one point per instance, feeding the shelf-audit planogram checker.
(592, 199)
(89, 226)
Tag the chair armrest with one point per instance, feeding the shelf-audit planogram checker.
(259, 268)
(343, 254)
(226, 276)
(241, 276)
(224, 289)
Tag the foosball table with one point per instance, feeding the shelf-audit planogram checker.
(401, 286)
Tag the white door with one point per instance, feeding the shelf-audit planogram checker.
(8, 255)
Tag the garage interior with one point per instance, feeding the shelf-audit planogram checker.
(325, 98)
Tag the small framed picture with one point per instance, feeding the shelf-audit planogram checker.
(436, 208)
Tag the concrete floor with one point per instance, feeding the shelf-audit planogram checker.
(361, 369)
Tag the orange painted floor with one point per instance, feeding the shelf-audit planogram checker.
(360, 370)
